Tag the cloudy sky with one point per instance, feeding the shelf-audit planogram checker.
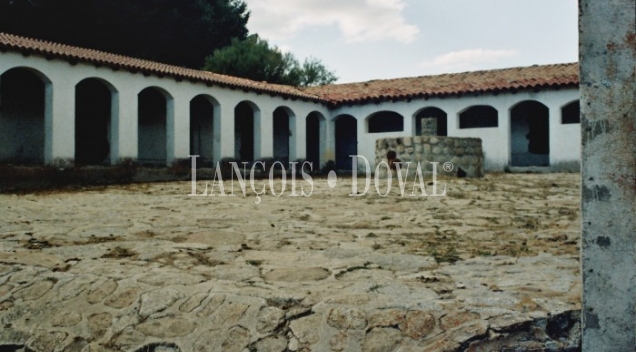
(370, 39)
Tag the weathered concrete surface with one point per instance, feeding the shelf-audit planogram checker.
(147, 268)
(608, 108)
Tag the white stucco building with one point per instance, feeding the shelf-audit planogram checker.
(62, 103)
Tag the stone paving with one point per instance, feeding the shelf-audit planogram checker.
(144, 267)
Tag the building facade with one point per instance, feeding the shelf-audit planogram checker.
(63, 104)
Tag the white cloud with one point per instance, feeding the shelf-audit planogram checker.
(285, 48)
(468, 59)
(357, 20)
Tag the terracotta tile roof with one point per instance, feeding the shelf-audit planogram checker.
(76, 54)
(491, 81)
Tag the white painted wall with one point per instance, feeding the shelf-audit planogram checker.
(60, 138)
(496, 141)
(59, 118)
(565, 139)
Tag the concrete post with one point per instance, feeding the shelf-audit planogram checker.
(608, 130)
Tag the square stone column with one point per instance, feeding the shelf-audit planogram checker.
(124, 127)
(59, 122)
(297, 144)
(263, 134)
(608, 131)
(177, 129)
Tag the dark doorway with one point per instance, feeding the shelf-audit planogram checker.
(202, 129)
(244, 132)
(22, 111)
(282, 133)
(93, 101)
(530, 134)
(346, 141)
(315, 136)
(152, 138)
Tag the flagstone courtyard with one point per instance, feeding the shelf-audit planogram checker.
(145, 267)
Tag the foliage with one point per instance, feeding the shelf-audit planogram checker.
(253, 58)
(179, 32)
(314, 73)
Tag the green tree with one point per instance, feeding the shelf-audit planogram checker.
(253, 58)
(314, 73)
(179, 32)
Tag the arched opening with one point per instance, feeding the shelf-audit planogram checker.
(571, 113)
(346, 141)
(479, 116)
(202, 129)
(284, 126)
(93, 116)
(23, 109)
(153, 115)
(316, 136)
(244, 131)
(435, 113)
(385, 121)
(530, 134)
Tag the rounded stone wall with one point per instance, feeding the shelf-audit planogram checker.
(465, 154)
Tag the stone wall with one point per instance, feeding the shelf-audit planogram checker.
(429, 126)
(464, 153)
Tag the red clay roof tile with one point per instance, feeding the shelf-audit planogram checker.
(491, 81)
(71, 53)
(477, 82)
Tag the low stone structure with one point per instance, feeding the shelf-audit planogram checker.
(465, 154)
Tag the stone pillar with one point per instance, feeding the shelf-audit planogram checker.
(361, 136)
(124, 126)
(224, 133)
(330, 140)
(429, 126)
(555, 137)
(409, 123)
(59, 121)
(452, 121)
(298, 139)
(263, 134)
(178, 129)
(608, 129)
(326, 137)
